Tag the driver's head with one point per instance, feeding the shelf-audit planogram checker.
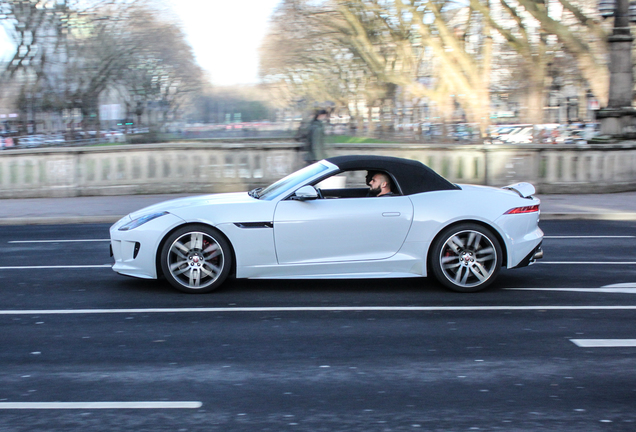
(380, 184)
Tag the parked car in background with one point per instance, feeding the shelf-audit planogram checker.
(6, 142)
(114, 136)
(30, 141)
(521, 135)
(502, 133)
(574, 137)
(55, 139)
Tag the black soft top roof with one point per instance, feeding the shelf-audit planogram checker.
(412, 176)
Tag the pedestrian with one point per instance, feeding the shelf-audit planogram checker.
(315, 138)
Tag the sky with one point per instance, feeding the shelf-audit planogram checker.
(225, 36)
(5, 45)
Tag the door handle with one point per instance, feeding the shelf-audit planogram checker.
(390, 214)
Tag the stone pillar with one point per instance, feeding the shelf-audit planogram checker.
(619, 117)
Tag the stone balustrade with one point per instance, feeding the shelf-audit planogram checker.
(217, 167)
(598, 168)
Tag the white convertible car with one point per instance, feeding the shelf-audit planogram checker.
(321, 223)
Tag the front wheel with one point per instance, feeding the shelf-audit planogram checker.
(196, 259)
(466, 257)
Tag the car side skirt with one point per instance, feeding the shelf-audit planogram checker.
(398, 266)
(345, 276)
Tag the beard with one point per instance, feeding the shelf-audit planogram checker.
(374, 192)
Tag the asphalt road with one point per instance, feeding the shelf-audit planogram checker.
(548, 347)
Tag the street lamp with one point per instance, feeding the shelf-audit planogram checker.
(619, 117)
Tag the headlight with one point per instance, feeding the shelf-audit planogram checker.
(140, 221)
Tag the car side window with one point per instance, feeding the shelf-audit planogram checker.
(348, 184)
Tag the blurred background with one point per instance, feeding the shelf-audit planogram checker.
(77, 72)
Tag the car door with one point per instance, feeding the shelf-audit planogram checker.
(345, 229)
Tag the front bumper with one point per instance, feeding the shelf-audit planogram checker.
(135, 251)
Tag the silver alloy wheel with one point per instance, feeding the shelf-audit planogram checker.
(195, 260)
(468, 258)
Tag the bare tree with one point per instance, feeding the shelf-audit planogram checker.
(162, 72)
(539, 34)
(414, 45)
(68, 52)
(582, 35)
(38, 28)
(443, 51)
(305, 61)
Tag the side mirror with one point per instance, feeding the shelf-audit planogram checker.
(305, 193)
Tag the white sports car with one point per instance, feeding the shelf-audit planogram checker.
(322, 223)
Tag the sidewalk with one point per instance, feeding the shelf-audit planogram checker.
(616, 206)
(109, 209)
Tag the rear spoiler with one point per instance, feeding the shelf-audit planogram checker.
(524, 189)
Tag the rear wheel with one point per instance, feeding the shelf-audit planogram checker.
(196, 259)
(466, 257)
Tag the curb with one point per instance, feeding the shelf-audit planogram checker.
(111, 219)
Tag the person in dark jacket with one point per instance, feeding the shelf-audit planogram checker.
(315, 138)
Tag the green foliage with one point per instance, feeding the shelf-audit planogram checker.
(345, 139)
(151, 137)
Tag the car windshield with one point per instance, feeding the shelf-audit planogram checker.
(292, 180)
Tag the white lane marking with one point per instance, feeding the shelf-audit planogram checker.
(609, 289)
(56, 267)
(588, 262)
(58, 241)
(98, 405)
(589, 237)
(314, 309)
(110, 265)
(621, 285)
(604, 343)
(107, 240)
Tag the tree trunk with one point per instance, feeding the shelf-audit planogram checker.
(371, 128)
(535, 102)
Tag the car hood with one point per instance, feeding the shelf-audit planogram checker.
(176, 205)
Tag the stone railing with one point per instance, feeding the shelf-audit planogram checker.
(217, 167)
(598, 168)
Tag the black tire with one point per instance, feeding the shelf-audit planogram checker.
(196, 259)
(466, 257)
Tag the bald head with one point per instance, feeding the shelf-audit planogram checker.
(380, 184)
